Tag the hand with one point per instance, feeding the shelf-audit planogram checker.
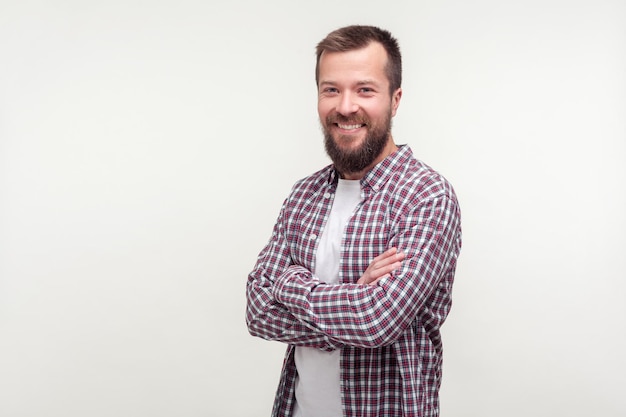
(382, 266)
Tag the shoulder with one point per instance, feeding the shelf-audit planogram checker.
(311, 185)
(426, 181)
(417, 182)
(420, 192)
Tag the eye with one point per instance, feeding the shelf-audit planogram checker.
(366, 90)
(330, 90)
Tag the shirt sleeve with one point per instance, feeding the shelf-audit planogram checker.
(371, 316)
(265, 316)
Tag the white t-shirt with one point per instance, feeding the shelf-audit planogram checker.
(318, 387)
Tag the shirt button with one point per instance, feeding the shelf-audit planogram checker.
(326, 195)
(313, 236)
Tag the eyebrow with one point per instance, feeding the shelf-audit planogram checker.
(358, 83)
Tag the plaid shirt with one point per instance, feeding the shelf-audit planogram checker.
(391, 350)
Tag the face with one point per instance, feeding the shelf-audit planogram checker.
(356, 108)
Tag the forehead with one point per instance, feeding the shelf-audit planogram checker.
(365, 63)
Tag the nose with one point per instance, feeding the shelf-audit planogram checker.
(346, 105)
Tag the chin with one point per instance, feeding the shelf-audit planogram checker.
(350, 141)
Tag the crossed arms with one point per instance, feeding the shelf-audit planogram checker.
(287, 303)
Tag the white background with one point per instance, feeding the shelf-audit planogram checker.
(146, 148)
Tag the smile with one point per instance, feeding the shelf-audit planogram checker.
(349, 127)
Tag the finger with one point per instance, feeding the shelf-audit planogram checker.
(375, 275)
(390, 255)
(386, 272)
(388, 262)
(382, 265)
(386, 254)
(389, 268)
(378, 279)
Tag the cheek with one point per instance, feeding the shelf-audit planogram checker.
(323, 109)
(324, 113)
(378, 111)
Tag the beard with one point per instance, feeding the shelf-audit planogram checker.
(356, 160)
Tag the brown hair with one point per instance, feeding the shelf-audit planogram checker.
(354, 37)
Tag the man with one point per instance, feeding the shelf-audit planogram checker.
(358, 273)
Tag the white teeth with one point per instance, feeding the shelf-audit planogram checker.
(349, 127)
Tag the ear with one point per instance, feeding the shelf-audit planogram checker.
(395, 101)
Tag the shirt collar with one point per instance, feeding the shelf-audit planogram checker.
(375, 178)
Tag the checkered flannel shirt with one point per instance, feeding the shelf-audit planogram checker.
(389, 334)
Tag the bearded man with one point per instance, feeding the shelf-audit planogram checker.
(357, 275)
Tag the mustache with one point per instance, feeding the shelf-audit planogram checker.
(347, 120)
